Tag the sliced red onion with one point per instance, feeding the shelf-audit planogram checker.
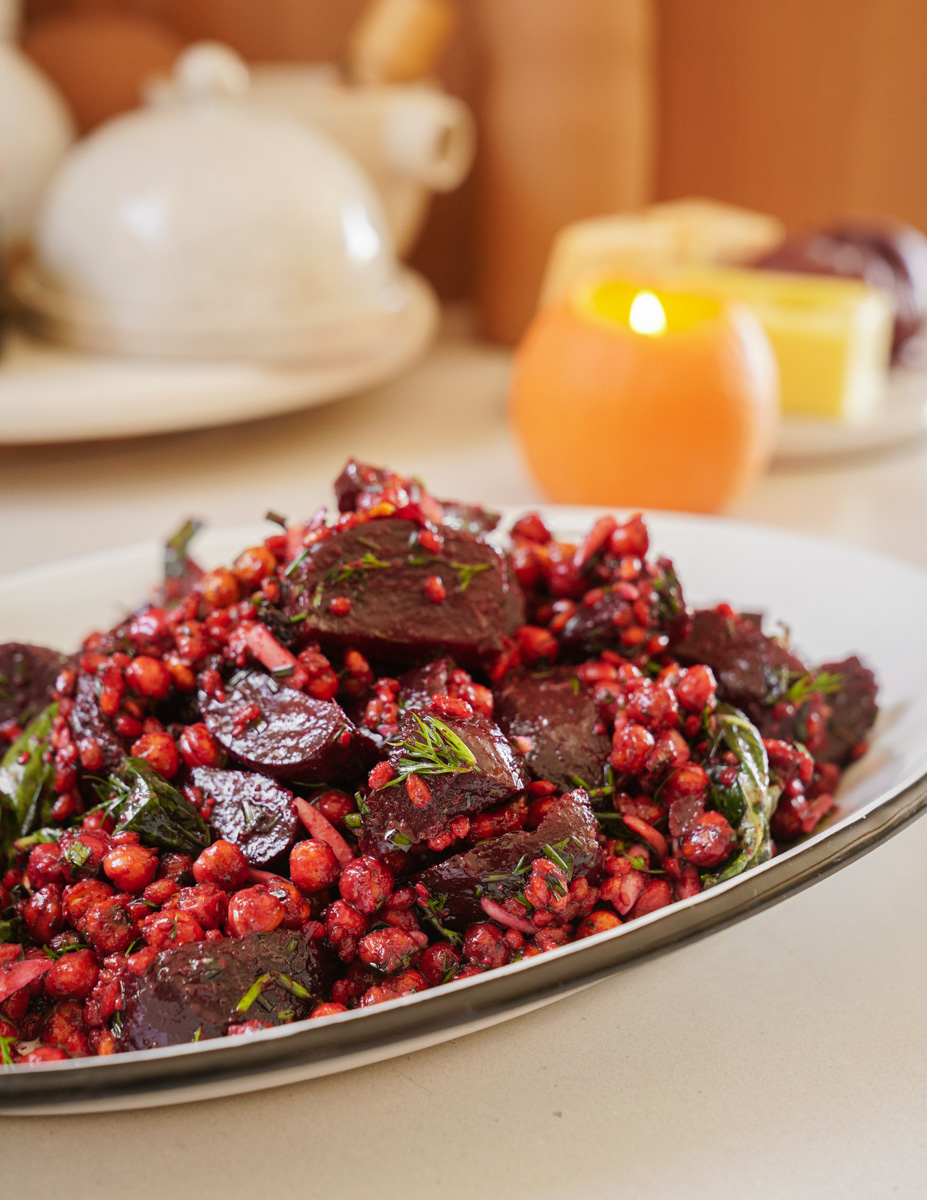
(497, 913)
(320, 827)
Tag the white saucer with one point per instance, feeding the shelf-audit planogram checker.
(51, 393)
(900, 418)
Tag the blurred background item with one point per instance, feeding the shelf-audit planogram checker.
(206, 227)
(99, 53)
(568, 130)
(412, 139)
(886, 254)
(804, 112)
(703, 147)
(36, 130)
(645, 394)
(397, 41)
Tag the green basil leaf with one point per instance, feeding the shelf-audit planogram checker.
(158, 813)
(750, 801)
(26, 780)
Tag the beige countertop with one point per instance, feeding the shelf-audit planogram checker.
(785, 1056)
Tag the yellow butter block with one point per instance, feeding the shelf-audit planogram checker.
(677, 231)
(832, 337)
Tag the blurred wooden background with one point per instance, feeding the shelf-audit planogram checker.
(806, 110)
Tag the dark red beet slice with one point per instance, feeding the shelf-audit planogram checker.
(27, 677)
(556, 712)
(395, 822)
(87, 721)
(497, 869)
(853, 708)
(200, 986)
(418, 686)
(295, 737)
(380, 567)
(752, 670)
(253, 811)
(597, 627)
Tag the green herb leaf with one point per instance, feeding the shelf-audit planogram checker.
(438, 751)
(435, 913)
(252, 993)
(11, 929)
(198, 1034)
(296, 563)
(26, 780)
(749, 803)
(176, 559)
(294, 988)
(806, 686)
(158, 812)
(367, 562)
(466, 571)
(6, 1057)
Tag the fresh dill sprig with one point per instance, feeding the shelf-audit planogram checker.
(367, 562)
(434, 914)
(252, 993)
(806, 686)
(439, 752)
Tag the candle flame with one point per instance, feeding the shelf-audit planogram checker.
(647, 315)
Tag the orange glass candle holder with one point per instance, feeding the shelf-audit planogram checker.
(645, 396)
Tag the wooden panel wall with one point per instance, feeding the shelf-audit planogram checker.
(804, 108)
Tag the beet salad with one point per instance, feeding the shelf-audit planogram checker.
(383, 750)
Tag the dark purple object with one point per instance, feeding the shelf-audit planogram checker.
(853, 709)
(498, 869)
(557, 713)
(27, 679)
(381, 568)
(253, 811)
(87, 721)
(295, 737)
(597, 627)
(201, 986)
(395, 822)
(883, 254)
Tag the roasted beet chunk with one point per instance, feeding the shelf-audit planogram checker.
(829, 709)
(27, 678)
(438, 770)
(753, 671)
(418, 686)
(554, 716)
(208, 986)
(284, 733)
(853, 708)
(372, 588)
(87, 721)
(498, 869)
(253, 811)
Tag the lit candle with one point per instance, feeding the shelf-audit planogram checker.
(640, 394)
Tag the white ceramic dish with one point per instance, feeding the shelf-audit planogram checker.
(50, 393)
(901, 418)
(834, 599)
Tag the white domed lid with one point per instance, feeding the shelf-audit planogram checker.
(203, 226)
(35, 132)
